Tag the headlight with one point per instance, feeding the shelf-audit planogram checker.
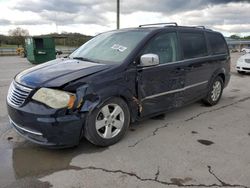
(55, 98)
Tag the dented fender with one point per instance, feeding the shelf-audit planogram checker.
(89, 98)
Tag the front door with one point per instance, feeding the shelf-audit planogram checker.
(160, 87)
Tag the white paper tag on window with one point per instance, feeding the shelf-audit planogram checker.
(122, 48)
(118, 47)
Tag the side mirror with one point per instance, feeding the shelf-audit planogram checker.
(149, 60)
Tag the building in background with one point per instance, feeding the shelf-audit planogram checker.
(237, 44)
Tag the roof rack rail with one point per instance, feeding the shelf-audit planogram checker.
(200, 26)
(155, 24)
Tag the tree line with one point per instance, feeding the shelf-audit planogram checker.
(69, 39)
(17, 37)
(239, 37)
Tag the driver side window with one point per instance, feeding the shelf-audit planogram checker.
(165, 46)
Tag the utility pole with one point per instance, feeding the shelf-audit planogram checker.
(56, 23)
(118, 15)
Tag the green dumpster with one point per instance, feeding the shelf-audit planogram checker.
(40, 49)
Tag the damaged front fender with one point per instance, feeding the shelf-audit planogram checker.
(88, 99)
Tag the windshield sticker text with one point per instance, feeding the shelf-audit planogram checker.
(118, 47)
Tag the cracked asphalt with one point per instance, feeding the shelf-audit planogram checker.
(194, 146)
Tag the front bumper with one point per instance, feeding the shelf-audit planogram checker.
(243, 69)
(48, 128)
(242, 66)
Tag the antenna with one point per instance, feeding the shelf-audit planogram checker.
(56, 22)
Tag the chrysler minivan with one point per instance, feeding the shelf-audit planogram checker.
(116, 78)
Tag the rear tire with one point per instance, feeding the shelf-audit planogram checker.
(107, 124)
(214, 92)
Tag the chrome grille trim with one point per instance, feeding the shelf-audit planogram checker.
(24, 129)
(175, 90)
(17, 94)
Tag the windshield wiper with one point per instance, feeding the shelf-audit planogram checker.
(84, 59)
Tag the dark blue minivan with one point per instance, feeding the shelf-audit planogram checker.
(116, 78)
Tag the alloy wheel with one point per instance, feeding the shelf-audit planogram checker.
(109, 121)
(217, 88)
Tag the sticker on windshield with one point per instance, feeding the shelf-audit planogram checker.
(118, 47)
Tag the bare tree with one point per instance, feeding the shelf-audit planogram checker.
(19, 35)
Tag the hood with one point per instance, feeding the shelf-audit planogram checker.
(58, 72)
(243, 58)
(246, 56)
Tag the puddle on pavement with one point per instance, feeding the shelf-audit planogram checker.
(28, 183)
(9, 138)
(194, 132)
(206, 142)
(29, 160)
(179, 181)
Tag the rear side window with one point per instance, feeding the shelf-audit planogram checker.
(217, 43)
(193, 45)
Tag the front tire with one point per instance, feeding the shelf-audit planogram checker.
(107, 124)
(215, 92)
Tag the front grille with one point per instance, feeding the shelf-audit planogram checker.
(244, 68)
(247, 60)
(17, 94)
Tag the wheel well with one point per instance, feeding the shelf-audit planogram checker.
(116, 96)
(132, 118)
(222, 76)
(125, 100)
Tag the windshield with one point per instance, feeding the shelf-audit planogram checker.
(110, 47)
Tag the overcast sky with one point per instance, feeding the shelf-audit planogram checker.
(95, 16)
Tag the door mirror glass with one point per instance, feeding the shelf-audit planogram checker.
(149, 60)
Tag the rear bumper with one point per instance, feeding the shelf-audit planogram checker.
(46, 129)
